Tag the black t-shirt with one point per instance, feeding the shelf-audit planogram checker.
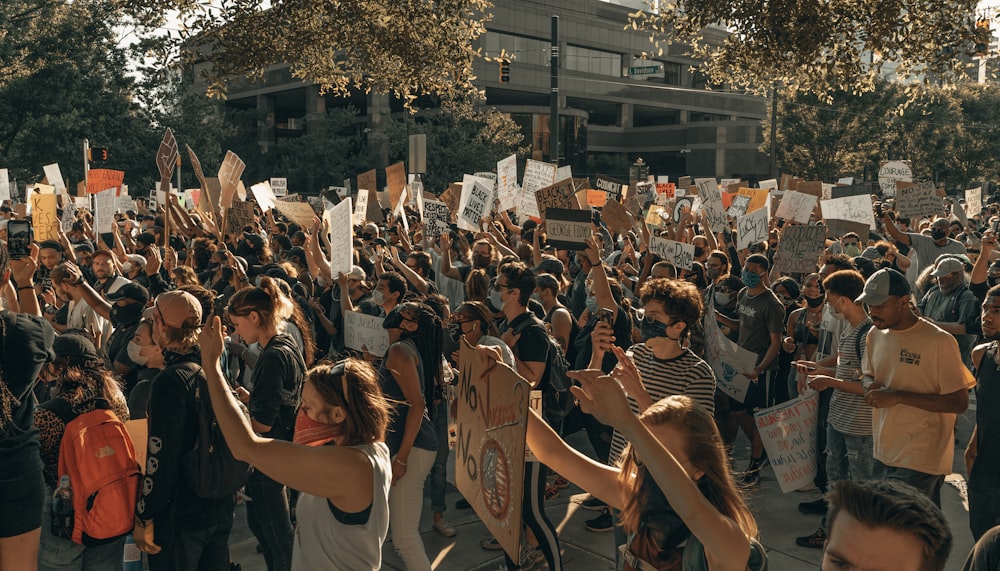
(533, 344)
(277, 386)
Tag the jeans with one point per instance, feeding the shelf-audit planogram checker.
(984, 510)
(438, 481)
(270, 521)
(929, 484)
(848, 457)
(59, 554)
(406, 501)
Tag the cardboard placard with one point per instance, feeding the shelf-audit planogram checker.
(568, 229)
(507, 189)
(558, 195)
(4, 185)
(728, 360)
(492, 421)
(240, 215)
(436, 218)
(616, 217)
(102, 179)
(298, 212)
(796, 206)
(789, 435)
(667, 189)
(279, 186)
(892, 171)
(44, 216)
(395, 180)
(679, 205)
(611, 187)
(338, 220)
(753, 228)
(477, 203)
(679, 254)
(361, 208)
(368, 180)
(537, 175)
(851, 190)
(264, 195)
(799, 248)
(104, 211)
(757, 197)
(915, 201)
(229, 177)
(597, 198)
(837, 228)
(853, 208)
(365, 333)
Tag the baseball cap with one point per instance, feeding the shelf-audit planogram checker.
(131, 291)
(100, 252)
(74, 347)
(550, 266)
(357, 273)
(174, 304)
(884, 284)
(948, 266)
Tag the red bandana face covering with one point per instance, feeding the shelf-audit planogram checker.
(308, 432)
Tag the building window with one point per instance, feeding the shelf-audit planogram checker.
(697, 117)
(671, 73)
(524, 50)
(597, 62)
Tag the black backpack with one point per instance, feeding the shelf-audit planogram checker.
(209, 467)
(557, 401)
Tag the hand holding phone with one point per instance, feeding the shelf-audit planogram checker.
(19, 238)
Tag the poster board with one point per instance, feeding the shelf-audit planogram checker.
(799, 248)
(264, 195)
(537, 175)
(851, 190)
(395, 180)
(44, 216)
(679, 254)
(611, 187)
(974, 201)
(300, 213)
(788, 431)
(728, 360)
(238, 216)
(796, 206)
(104, 211)
(477, 204)
(279, 186)
(916, 201)
(753, 228)
(338, 218)
(365, 333)
(492, 421)
(892, 171)
(229, 177)
(436, 217)
(102, 179)
(361, 208)
(4, 185)
(853, 208)
(559, 195)
(568, 229)
(507, 189)
(616, 217)
(368, 180)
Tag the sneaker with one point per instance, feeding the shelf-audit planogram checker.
(490, 544)
(815, 507)
(593, 504)
(530, 556)
(560, 483)
(551, 492)
(815, 541)
(462, 504)
(444, 528)
(601, 523)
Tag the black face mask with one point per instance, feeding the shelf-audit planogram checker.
(993, 280)
(937, 233)
(815, 301)
(126, 315)
(455, 331)
(367, 237)
(698, 251)
(648, 329)
(393, 320)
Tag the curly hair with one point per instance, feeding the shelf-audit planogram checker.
(680, 299)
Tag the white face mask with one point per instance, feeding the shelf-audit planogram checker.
(377, 297)
(135, 354)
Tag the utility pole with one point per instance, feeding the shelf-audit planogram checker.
(554, 97)
(774, 132)
(86, 161)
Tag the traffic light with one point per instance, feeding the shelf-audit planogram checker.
(97, 155)
(983, 36)
(504, 70)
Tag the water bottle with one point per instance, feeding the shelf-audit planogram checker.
(131, 556)
(62, 509)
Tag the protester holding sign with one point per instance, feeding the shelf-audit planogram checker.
(927, 248)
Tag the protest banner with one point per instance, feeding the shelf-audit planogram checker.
(104, 211)
(568, 229)
(451, 196)
(492, 421)
(851, 190)
(558, 195)
(616, 217)
(537, 175)
(365, 333)
(507, 183)
(298, 212)
(974, 201)
(102, 179)
(338, 218)
(799, 248)
(55, 178)
(738, 207)
(679, 254)
(753, 228)
(368, 180)
(836, 228)
(757, 197)
(796, 206)
(44, 216)
(477, 203)
(395, 180)
(728, 360)
(769, 184)
(361, 208)
(611, 187)
(916, 201)
(853, 208)
(279, 186)
(239, 215)
(264, 195)
(892, 171)
(667, 189)
(788, 431)
(4, 185)
(436, 218)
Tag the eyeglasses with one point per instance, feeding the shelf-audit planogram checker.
(500, 287)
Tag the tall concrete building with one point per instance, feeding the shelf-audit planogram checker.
(614, 106)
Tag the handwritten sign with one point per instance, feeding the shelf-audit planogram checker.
(364, 332)
(769, 184)
(68, 215)
(796, 206)
(239, 215)
(264, 195)
(4, 185)
(738, 207)
(279, 186)
(892, 171)
(478, 203)
(436, 217)
(789, 434)
(611, 187)
(753, 228)
(616, 217)
(679, 254)
(229, 177)
(728, 360)
(492, 421)
(568, 229)
(55, 178)
(799, 248)
(395, 179)
(537, 175)
(361, 208)
(853, 208)
(667, 189)
(507, 183)
(974, 201)
(916, 201)
(368, 180)
(104, 211)
(711, 203)
(44, 216)
(298, 212)
(338, 219)
(757, 197)
(558, 195)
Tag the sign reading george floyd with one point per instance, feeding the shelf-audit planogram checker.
(568, 229)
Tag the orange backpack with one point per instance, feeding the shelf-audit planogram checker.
(96, 453)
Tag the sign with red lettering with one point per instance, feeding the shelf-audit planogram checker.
(789, 434)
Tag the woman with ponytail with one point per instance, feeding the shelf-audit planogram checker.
(409, 374)
(259, 314)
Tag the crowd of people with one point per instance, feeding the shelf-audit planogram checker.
(165, 323)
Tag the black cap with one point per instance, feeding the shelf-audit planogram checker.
(74, 347)
(146, 238)
(131, 291)
(51, 244)
(84, 247)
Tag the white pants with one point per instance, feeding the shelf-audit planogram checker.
(406, 501)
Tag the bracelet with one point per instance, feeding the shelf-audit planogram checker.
(400, 462)
(26, 287)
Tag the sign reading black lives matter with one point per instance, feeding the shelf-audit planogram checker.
(799, 248)
(568, 229)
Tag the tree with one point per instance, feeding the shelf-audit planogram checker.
(816, 46)
(405, 47)
(332, 150)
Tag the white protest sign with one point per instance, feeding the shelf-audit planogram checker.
(797, 206)
(916, 201)
(769, 184)
(476, 204)
(104, 210)
(437, 216)
(507, 183)
(341, 237)
(4, 185)
(753, 228)
(893, 171)
(679, 254)
(847, 180)
(789, 435)
(264, 194)
(563, 173)
(279, 186)
(711, 198)
(568, 229)
(365, 333)
(527, 204)
(958, 212)
(68, 215)
(124, 203)
(853, 208)
(974, 201)
(728, 181)
(538, 175)
(361, 210)
(54, 175)
(728, 360)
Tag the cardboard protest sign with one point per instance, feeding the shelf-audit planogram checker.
(730, 182)
(558, 195)
(611, 187)
(279, 186)
(959, 212)
(55, 178)
(645, 192)
(507, 183)
(338, 220)
(239, 215)
(711, 204)
(452, 196)
(368, 180)
(892, 171)
(786, 181)
(667, 189)
(836, 228)
(769, 184)
(853, 208)
(728, 360)
(581, 186)
(166, 158)
(537, 175)
(757, 197)
(104, 211)
(229, 177)
(563, 172)
(753, 228)
(477, 203)
(616, 217)
(632, 205)
(789, 434)
(492, 421)
(365, 333)
(361, 208)
(796, 206)
(395, 180)
(436, 218)
(851, 190)
(4, 185)
(298, 212)
(682, 203)
(916, 201)
(44, 216)
(738, 207)
(596, 198)
(568, 229)
(679, 254)
(684, 182)
(799, 248)
(68, 216)
(655, 216)
(264, 195)
(974, 201)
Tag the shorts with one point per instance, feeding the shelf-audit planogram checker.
(21, 504)
(757, 393)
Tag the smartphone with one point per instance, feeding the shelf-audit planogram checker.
(996, 225)
(19, 238)
(607, 316)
